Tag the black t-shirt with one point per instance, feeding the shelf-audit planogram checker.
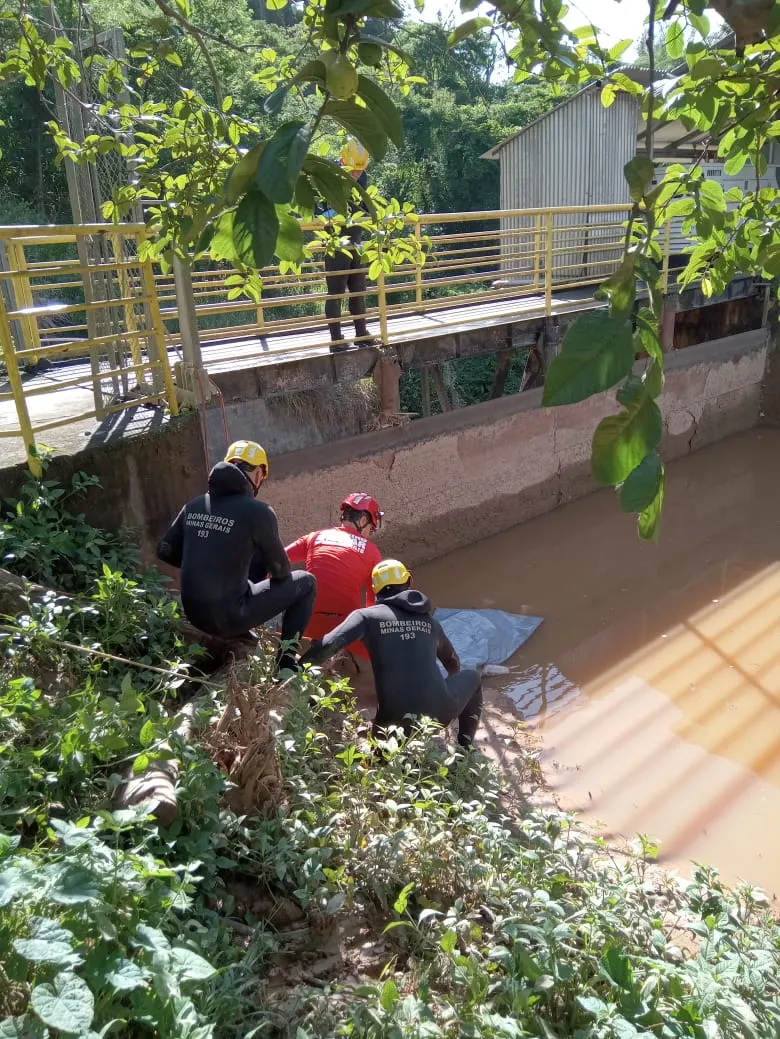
(404, 641)
(216, 539)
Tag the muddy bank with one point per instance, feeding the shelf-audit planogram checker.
(654, 682)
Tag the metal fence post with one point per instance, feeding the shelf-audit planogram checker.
(24, 295)
(14, 378)
(158, 337)
(548, 263)
(418, 270)
(382, 303)
(537, 249)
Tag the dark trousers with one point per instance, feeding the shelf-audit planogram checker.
(293, 597)
(463, 700)
(343, 274)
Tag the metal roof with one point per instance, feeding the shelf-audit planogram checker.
(671, 140)
(638, 73)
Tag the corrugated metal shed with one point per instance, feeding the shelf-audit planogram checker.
(572, 156)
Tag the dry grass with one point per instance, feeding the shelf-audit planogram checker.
(243, 745)
(327, 406)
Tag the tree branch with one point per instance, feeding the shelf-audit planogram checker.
(651, 86)
(197, 35)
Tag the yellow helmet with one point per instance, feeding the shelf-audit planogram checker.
(388, 572)
(354, 155)
(247, 451)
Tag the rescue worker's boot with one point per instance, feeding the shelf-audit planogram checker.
(362, 335)
(336, 347)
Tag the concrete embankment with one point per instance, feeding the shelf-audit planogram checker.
(445, 481)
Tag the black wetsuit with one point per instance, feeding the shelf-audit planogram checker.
(225, 543)
(404, 642)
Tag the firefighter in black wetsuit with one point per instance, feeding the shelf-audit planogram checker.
(235, 573)
(404, 640)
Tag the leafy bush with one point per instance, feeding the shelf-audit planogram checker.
(42, 540)
(493, 918)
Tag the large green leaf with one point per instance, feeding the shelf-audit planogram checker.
(189, 966)
(311, 72)
(620, 287)
(342, 7)
(74, 885)
(649, 521)
(125, 975)
(622, 441)
(361, 123)
(467, 28)
(255, 229)
(67, 1005)
(281, 161)
(597, 352)
(639, 173)
(243, 173)
(329, 181)
(26, 1027)
(50, 943)
(646, 335)
(383, 108)
(385, 9)
(641, 485)
(675, 40)
(304, 200)
(289, 241)
(221, 245)
(14, 883)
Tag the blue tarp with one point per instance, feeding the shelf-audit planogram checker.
(485, 637)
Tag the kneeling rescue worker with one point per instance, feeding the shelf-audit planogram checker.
(235, 573)
(404, 642)
(342, 559)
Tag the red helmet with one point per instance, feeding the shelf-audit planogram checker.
(364, 503)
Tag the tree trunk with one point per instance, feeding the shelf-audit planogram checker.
(504, 363)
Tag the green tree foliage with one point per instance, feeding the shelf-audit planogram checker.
(452, 119)
(231, 186)
(466, 912)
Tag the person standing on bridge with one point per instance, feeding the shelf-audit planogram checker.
(342, 559)
(344, 270)
(235, 573)
(404, 642)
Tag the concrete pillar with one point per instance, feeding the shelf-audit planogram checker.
(667, 326)
(551, 339)
(425, 386)
(437, 376)
(387, 378)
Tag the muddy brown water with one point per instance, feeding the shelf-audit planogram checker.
(654, 681)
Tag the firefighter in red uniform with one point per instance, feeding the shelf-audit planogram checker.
(341, 558)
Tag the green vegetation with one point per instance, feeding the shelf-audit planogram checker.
(231, 129)
(458, 908)
(456, 112)
(468, 381)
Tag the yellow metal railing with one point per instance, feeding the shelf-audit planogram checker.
(483, 258)
(98, 302)
(95, 301)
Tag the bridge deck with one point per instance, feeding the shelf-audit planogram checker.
(242, 354)
(237, 353)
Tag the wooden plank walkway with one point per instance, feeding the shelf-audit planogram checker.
(236, 354)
